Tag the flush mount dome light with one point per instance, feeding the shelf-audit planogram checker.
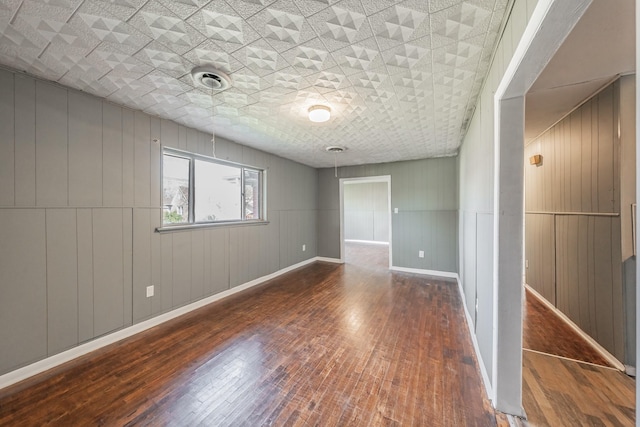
(319, 113)
(210, 78)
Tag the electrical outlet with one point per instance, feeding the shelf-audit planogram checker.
(395, 210)
(304, 248)
(420, 254)
(150, 291)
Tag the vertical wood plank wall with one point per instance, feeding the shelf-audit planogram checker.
(574, 260)
(476, 181)
(80, 193)
(425, 193)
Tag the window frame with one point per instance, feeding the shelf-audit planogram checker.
(191, 222)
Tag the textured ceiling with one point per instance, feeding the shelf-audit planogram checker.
(401, 77)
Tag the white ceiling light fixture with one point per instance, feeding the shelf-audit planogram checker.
(319, 113)
(216, 81)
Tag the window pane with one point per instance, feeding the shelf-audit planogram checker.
(217, 192)
(175, 185)
(251, 194)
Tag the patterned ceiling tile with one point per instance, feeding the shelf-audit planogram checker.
(458, 23)
(407, 72)
(223, 27)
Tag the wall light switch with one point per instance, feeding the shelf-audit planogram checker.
(395, 210)
(304, 248)
(150, 291)
(421, 254)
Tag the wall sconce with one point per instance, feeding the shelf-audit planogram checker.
(536, 160)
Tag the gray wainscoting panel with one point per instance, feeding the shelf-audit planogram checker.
(181, 268)
(484, 289)
(589, 279)
(51, 145)
(141, 264)
(85, 150)
(197, 265)
(540, 254)
(108, 271)
(469, 265)
(7, 137)
(23, 289)
(86, 314)
(218, 263)
(62, 280)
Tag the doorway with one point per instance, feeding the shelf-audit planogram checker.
(365, 221)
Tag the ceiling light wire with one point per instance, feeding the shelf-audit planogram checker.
(213, 124)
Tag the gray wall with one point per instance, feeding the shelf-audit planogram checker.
(425, 193)
(477, 173)
(366, 211)
(79, 203)
(575, 218)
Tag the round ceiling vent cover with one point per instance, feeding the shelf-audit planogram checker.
(335, 149)
(210, 78)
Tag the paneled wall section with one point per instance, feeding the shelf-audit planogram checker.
(573, 224)
(425, 193)
(366, 211)
(80, 190)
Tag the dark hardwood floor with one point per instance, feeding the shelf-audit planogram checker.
(566, 381)
(562, 392)
(544, 331)
(323, 345)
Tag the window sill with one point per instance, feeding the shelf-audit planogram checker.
(187, 227)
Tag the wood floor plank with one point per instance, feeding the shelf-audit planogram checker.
(326, 344)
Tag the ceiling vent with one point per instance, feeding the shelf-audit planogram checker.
(335, 149)
(210, 78)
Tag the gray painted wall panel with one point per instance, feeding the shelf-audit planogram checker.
(25, 141)
(469, 272)
(156, 259)
(113, 166)
(141, 264)
(108, 272)
(7, 140)
(62, 280)
(85, 150)
(484, 288)
(51, 145)
(128, 158)
(142, 158)
(111, 155)
(421, 190)
(580, 173)
(127, 265)
(181, 268)
(23, 291)
(84, 227)
(197, 265)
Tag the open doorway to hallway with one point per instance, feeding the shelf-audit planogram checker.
(579, 170)
(366, 221)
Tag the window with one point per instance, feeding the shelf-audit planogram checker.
(200, 190)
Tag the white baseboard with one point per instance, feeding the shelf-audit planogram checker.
(325, 259)
(367, 242)
(483, 370)
(603, 351)
(447, 274)
(40, 366)
(630, 370)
